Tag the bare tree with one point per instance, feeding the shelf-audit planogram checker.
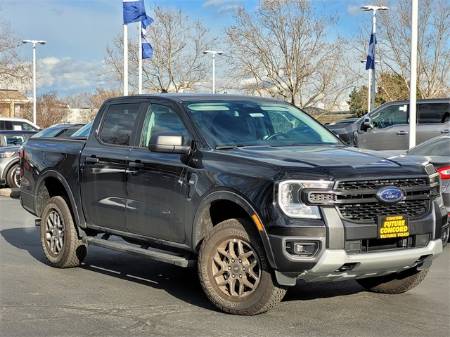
(394, 45)
(177, 63)
(91, 101)
(433, 45)
(12, 70)
(282, 50)
(50, 110)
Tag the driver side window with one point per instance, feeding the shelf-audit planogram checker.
(391, 115)
(161, 120)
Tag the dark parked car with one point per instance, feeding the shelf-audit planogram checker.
(387, 128)
(252, 190)
(83, 132)
(63, 130)
(10, 142)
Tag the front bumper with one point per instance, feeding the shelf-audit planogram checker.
(328, 268)
(335, 261)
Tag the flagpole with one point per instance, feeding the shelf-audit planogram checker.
(373, 86)
(413, 79)
(125, 60)
(140, 58)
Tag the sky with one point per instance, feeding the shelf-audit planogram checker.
(78, 31)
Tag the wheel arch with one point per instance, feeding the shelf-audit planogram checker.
(51, 183)
(235, 206)
(9, 166)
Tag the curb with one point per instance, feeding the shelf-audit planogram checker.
(10, 192)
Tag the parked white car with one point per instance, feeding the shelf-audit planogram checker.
(17, 124)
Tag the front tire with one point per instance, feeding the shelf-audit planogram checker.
(234, 271)
(394, 283)
(59, 238)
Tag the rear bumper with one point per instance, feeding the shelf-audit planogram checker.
(368, 265)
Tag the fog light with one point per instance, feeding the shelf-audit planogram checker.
(300, 248)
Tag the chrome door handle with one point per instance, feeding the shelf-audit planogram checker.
(92, 159)
(402, 133)
(445, 131)
(135, 164)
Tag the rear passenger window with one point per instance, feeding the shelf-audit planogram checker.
(118, 124)
(434, 113)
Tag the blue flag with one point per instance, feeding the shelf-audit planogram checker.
(370, 62)
(133, 11)
(147, 49)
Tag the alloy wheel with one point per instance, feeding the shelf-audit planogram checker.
(236, 268)
(54, 232)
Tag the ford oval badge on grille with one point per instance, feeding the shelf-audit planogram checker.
(390, 194)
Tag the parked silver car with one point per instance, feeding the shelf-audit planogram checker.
(10, 143)
(387, 127)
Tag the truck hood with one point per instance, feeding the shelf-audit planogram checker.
(330, 160)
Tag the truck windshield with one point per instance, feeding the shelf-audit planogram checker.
(234, 124)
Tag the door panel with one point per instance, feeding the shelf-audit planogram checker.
(157, 182)
(104, 186)
(390, 138)
(104, 163)
(157, 196)
(390, 129)
(433, 120)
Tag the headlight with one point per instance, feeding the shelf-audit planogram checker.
(6, 154)
(289, 197)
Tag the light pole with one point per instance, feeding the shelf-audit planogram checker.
(213, 53)
(372, 77)
(34, 43)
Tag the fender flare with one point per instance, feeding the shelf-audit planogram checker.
(72, 203)
(8, 167)
(199, 225)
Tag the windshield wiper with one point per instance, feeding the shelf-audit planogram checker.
(228, 147)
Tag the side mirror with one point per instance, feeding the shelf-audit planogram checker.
(169, 144)
(366, 124)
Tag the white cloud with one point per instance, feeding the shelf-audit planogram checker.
(353, 10)
(66, 75)
(224, 5)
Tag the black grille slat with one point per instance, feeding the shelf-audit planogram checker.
(369, 212)
(356, 200)
(378, 183)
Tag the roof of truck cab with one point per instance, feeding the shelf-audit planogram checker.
(190, 97)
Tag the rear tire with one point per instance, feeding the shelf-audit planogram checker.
(59, 238)
(12, 177)
(394, 283)
(234, 271)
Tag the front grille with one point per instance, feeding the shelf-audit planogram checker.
(378, 183)
(369, 212)
(356, 200)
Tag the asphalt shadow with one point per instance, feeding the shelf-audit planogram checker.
(179, 282)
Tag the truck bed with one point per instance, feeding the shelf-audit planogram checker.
(47, 155)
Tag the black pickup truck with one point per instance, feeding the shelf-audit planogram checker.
(252, 191)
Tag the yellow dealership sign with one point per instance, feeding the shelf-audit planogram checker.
(395, 226)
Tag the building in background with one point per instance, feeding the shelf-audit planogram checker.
(12, 103)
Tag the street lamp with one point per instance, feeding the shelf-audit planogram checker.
(34, 43)
(213, 53)
(372, 78)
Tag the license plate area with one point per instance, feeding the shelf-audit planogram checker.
(392, 227)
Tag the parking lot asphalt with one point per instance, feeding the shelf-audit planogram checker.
(115, 294)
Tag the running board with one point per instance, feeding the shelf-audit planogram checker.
(151, 253)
